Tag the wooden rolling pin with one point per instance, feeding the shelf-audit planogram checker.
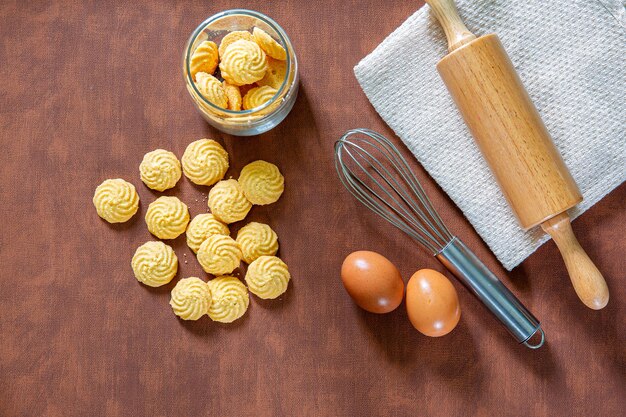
(513, 139)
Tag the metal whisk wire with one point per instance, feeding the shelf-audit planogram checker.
(374, 172)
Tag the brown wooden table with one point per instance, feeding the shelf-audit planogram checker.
(86, 88)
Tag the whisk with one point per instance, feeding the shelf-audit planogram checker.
(374, 172)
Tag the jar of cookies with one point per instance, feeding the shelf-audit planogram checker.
(241, 72)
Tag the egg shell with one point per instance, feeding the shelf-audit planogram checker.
(432, 303)
(373, 282)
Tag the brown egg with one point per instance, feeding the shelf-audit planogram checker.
(432, 303)
(373, 282)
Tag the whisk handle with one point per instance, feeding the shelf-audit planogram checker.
(490, 291)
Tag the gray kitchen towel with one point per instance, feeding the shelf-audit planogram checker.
(569, 55)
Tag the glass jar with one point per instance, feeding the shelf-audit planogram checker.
(269, 114)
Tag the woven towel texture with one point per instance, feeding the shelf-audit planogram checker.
(570, 56)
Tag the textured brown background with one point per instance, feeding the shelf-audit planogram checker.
(87, 88)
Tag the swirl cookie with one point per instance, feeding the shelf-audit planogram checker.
(255, 240)
(211, 88)
(234, 96)
(230, 299)
(243, 89)
(269, 45)
(228, 202)
(204, 59)
(243, 62)
(258, 96)
(219, 255)
(160, 170)
(116, 200)
(232, 37)
(191, 298)
(275, 74)
(154, 264)
(201, 227)
(167, 217)
(205, 162)
(261, 182)
(267, 277)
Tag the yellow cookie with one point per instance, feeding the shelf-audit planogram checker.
(228, 202)
(204, 59)
(167, 217)
(269, 45)
(262, 182)
(232, 37)
(257, 239)
(230, 299)
(205, 162)
(154, 263)
(275, 74)
(258, 96)
(243, 62)
(219, 255)
(116, 200)
(160, 170)
(191, 298)
(234, 96)
(243, 89)
(267, 277)
(201, 227)
(211, 88)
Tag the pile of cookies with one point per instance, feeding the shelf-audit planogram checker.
(204, 162)
(252, 66)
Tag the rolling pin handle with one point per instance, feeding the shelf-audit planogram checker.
(454, 28)
(588, 282)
